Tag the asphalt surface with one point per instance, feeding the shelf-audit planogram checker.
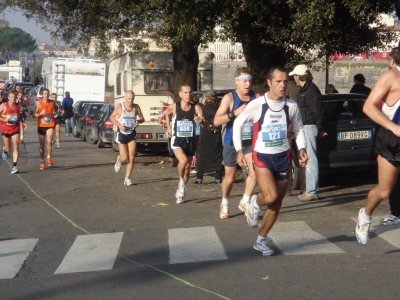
(82, 195)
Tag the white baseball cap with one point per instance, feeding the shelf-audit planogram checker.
(299, 70)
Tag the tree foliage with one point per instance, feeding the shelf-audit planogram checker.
(15, 39)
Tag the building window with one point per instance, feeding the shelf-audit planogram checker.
(118, 84)
(157, 83)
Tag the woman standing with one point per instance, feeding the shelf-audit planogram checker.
(126, 116)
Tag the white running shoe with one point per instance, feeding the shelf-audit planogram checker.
(128, 181)
(362, 229)
(179, 198)
(117, 166)
(181, 190)
(56, 145)
(263, 248)
(4, 155)
(14, 170)
(391, 220)
(243, 206)
(224, 211)
(252, 212)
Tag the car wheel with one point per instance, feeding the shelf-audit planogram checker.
(174, 161)
(295, 175)
(114, 143)
(100, 143)
(75, 132)
(83, 135)
(89, 136)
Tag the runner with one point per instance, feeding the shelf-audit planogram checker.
(232, 104)
(182, 135)
(271, 115)
(57, 119)
(10, 116)
(383, 107)
(45, 112)
(21, 102)
(126, 116)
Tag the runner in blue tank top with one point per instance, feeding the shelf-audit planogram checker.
(232, 104)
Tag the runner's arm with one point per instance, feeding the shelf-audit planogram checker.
(247, 115)
(113, 117)
(297, 125)
(140, 114)
(226, 106)
(168, 113)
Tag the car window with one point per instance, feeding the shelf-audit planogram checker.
(343, 107)
(96, 109)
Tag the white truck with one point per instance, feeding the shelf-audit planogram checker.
(84, 79)
(149, 75)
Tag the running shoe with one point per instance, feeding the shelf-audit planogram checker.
(224, 211)
(14, 170)
(49, 162)
(362, 229)
(181, 190)
(243, 206)
(252, 212)
(4, 155)
(391, 220)
(57, 145)
(42, 165)
(117, 166)
(179, 198)
(128, 181)
(263, 248)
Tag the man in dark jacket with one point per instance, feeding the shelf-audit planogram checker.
(310, 104)
(359, 85)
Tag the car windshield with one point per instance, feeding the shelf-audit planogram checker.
(343, 107)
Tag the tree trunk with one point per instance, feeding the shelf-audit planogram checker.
(260, 58)
(186, 61)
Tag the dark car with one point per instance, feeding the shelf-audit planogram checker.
(350, 139)
(78, 109)
(220, 94)
(89, 112)
(101, 130)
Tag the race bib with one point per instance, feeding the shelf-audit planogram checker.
(47, 119)
(128, 123)
(273, 135)
(247, 130)
(12, 119)
(184, 129)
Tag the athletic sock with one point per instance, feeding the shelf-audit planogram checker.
(225, 201)
(260, 238)
(14, 164)
(364, 217)
(181, 182)
(48, 156)
(58, 141)
(245, 199)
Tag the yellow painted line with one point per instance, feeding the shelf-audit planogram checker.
(119, 254)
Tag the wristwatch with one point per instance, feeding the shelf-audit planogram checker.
(230, 115)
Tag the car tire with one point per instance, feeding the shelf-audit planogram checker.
(89, 137)
(75, 132)
(100, 143)
(114, 143)
(295, 175)
(83, 135)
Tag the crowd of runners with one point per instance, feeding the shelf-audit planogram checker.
(256, 136)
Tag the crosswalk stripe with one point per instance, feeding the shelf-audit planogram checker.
(13, 253)
(194, 244)
(297, 238)
(388, 233)
(93, 252)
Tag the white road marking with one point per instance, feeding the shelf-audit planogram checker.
(13, 253)
(94, 252)
(389, 233)
(194, 244)
(297, 238)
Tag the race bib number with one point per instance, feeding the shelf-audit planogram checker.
(247, 130)
(12, 119)
(184, 129)
(128, 123)
(47, 119)
(273, 135)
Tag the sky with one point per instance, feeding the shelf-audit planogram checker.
(18, 20)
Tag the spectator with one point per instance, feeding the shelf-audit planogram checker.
(68, 113)
(310, 104)
(209, 150)
(359, 85)
(330, 89)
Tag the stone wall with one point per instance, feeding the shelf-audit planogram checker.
(340, 74)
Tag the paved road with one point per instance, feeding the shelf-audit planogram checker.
(74, 231)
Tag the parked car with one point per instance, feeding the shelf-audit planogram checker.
(220, 94)
(78, 109)
(101, 130)
(36, 96)
(28, 98)
(22, 85)
(83, 122)
(350, 139)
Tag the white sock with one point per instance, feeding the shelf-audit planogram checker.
(57, 140)
(364, 217)
(181, 182)
(245, 199)
(225, 201)
(48, 156)
(22, 137)
(260, 238)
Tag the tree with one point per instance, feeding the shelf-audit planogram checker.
(15, 39)
(4, 23)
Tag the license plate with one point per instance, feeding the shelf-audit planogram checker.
(161, 136)
(354, 135)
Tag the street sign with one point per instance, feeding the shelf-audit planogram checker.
(23, 59)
